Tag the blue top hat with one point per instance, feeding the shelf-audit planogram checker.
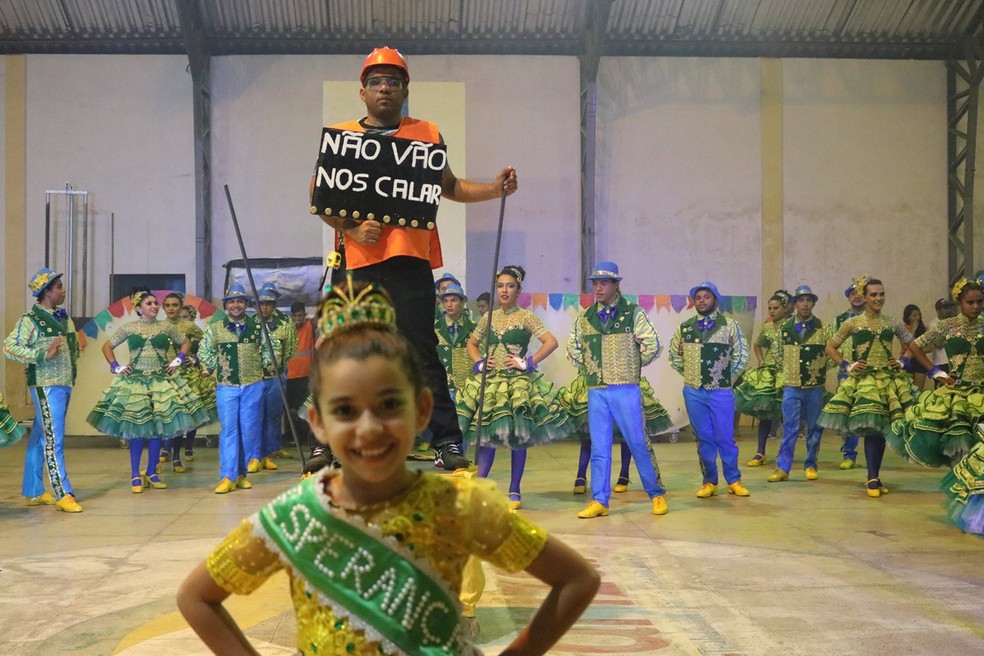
(847, 292)
(605, 271)
(446, 276)
(709, 286)
(804, 290)
(236, 291)
(42, 280)
(454, 289)
(268, 292)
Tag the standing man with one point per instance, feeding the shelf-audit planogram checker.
(231, 349)
(299, 369)
(284, 339)
(45, 340)
(710, 352)
(453, 329)
(799, 352)
(849, 448)
(610, 343)
(400, 259)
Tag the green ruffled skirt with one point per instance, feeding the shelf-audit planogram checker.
(203, 386)
(10, 431)
(939, 428)
(868, 403)
(964, 487)
(148, 406)
(574, 400)
(519, 410)
(759, 394)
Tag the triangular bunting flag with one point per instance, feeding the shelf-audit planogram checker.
(663, 302)
(647, 302)
(556, 301)
(679, 302)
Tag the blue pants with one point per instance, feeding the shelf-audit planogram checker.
(623, 405)
(46, 444)
(850, 446)
(712, 416)
(239, 410)
(273, 414)
(797, 403)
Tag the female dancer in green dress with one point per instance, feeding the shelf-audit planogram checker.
(145, 403)
(877, 390)
(939, 428)
(759, 394)
(520, 407)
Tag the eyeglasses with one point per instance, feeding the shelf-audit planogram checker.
(377, 81)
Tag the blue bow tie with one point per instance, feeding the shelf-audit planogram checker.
(705, 324)
(453, 329)
(800, 326)
(236, 326)
(60, 313)
(606, 313)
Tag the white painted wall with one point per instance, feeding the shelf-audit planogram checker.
(865, 179)
(121, 128)
(679, 181)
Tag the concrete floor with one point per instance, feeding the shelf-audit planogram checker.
(798, 568)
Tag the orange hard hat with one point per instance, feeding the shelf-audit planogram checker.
(385, 57)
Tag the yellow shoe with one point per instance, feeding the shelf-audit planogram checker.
(268, 463)
(179, 469)
(515, 501)
(847, 464)
(282, 453)
(778, 476)
(593, 510)
(757, 461)
(243, 483)
(879, 488)
(621, 486)
(225, 486)
(739, 490)
(148, 481)
(67, 504)
(811, 474)
(136, 485)
(659, 505)
(707, 490)
(580, 486)
(44, 499)
(253, 466)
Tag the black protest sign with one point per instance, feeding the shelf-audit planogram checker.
(394, 181)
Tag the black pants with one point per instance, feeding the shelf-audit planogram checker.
(410, 284)
(297, 393)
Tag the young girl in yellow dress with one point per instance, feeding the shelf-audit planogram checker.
(375, 551)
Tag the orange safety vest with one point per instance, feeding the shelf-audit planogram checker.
(395, 241)
(299, 366)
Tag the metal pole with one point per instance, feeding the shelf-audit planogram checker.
(267, 340)
(85, 254)
(112, 246)
(47, 229)
(70, 272)
(488, 324)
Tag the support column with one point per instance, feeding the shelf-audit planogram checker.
(963, 81)
(596, 24)
(15, 223)
(772, 199)
(200, 65)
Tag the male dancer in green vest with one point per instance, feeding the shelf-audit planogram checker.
(710, 352)
(610, 343)
(45, 340)
(231, 349)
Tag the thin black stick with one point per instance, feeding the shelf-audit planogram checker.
(268, 341)
(488, 324)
